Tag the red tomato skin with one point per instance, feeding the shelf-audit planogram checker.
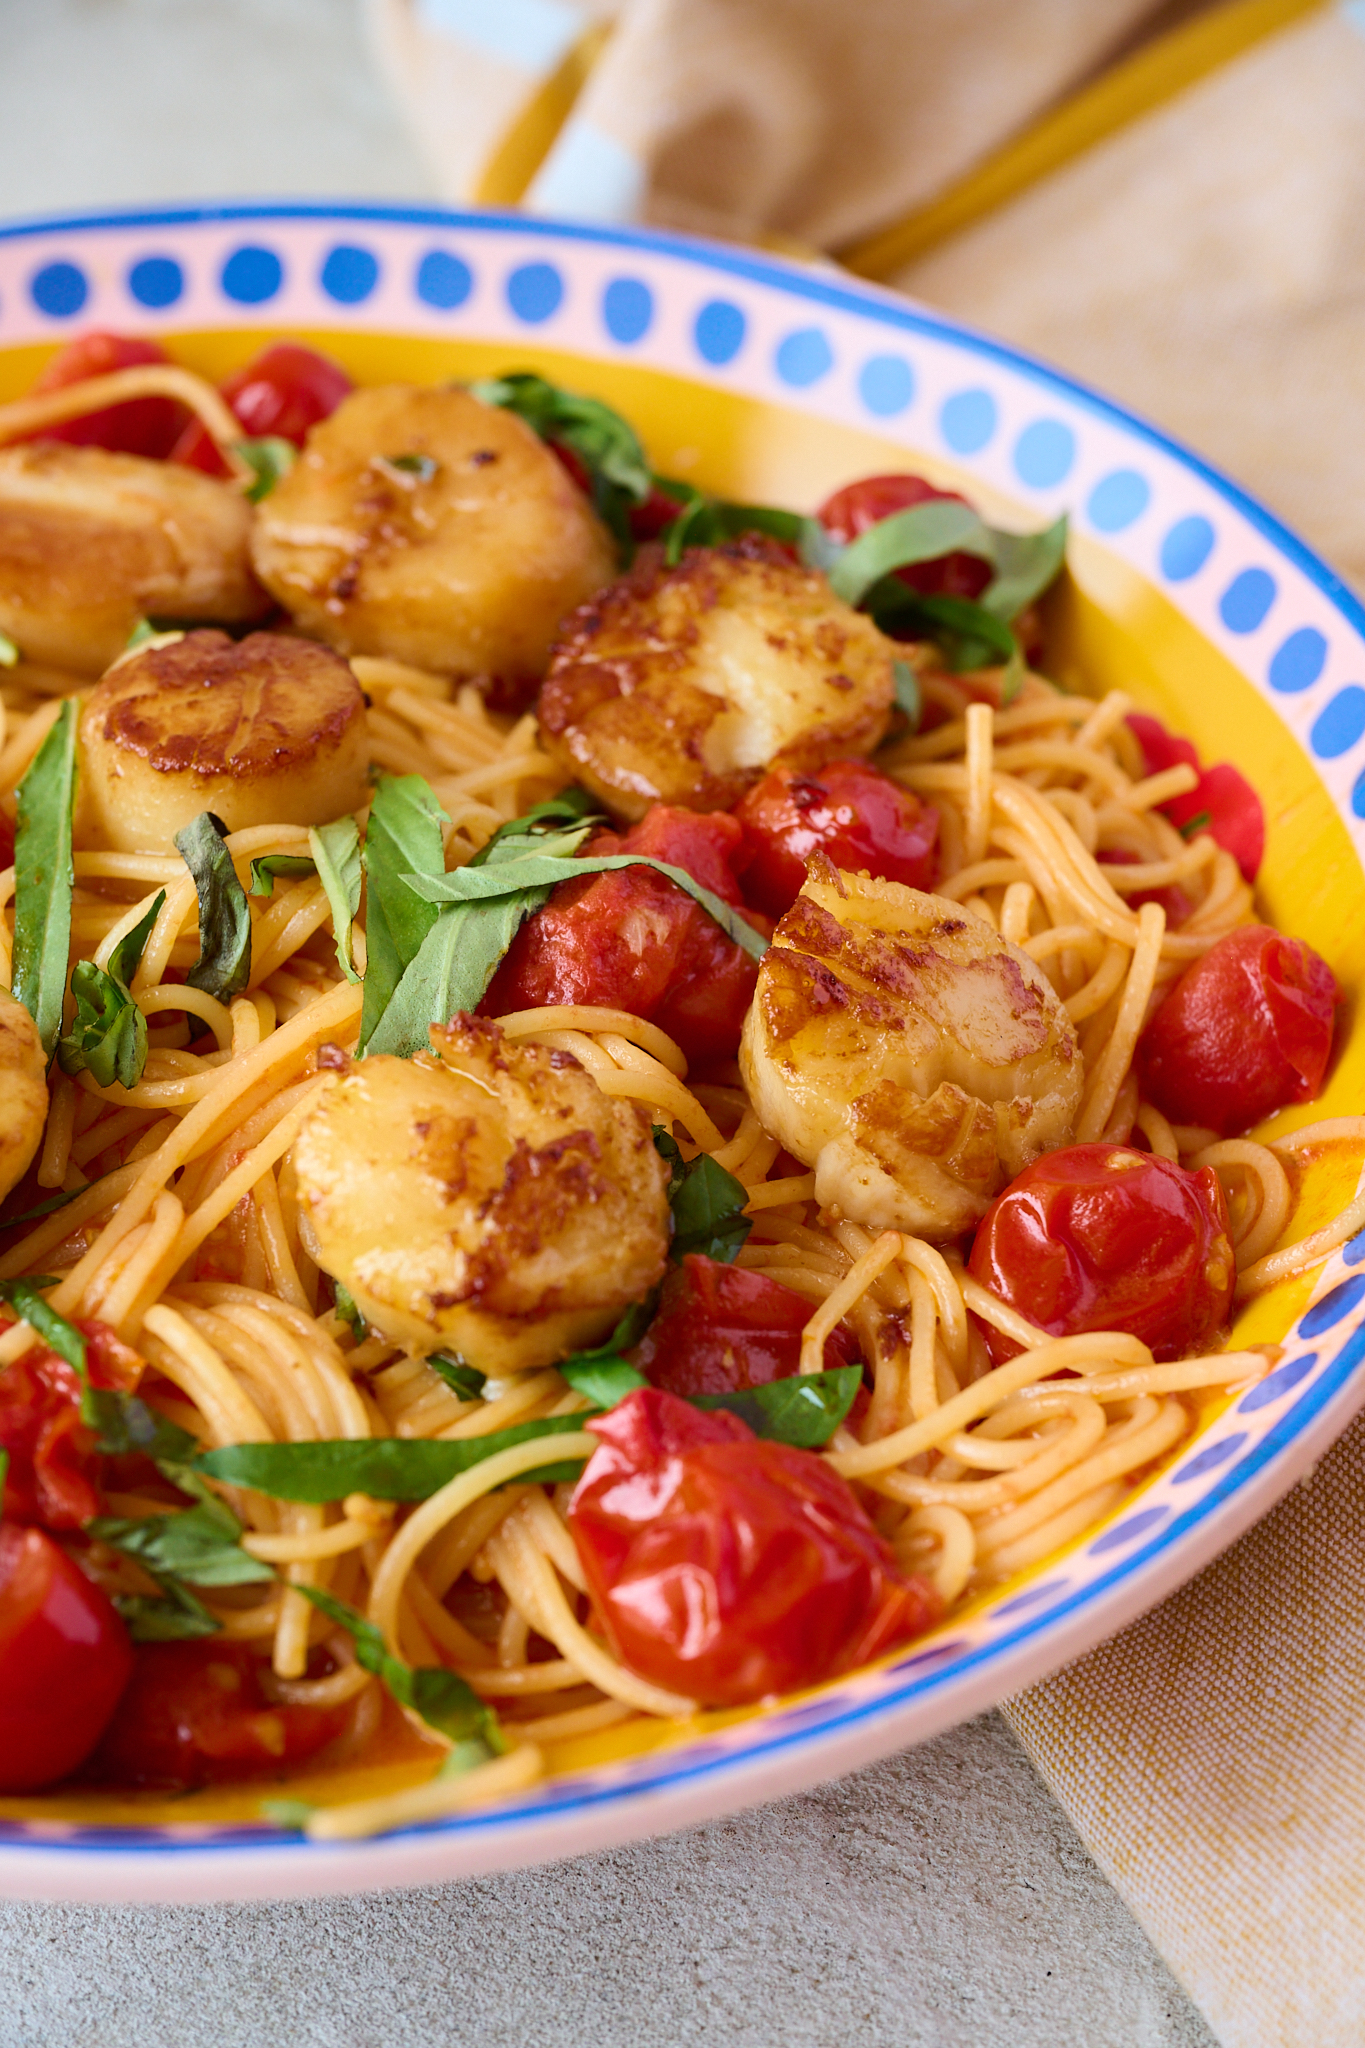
(1236, 817)
(1172, 898)
(140, 426)
(632, 940)
(51, 1477)
(1104, 1237)
(1244, 1032)
(859, 505)
(6, 842)
(851, 812)
(195, 1714)
(283, 391)
(64, 1660)
(720, 1328)
(727, 1567)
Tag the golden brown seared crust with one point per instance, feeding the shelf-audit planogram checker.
(90, 542)
(23, 1091)
(262, 731)
(908, 1053)
(464, 563)
(491, 1198)
(683, 685)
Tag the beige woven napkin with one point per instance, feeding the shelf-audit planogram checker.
(1206, 263)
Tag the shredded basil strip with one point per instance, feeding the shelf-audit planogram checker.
(40, 1209)
(908, 699)
(126, 1423)
(452, 970)
(175, 1616)
(25, 1298)
(336, 851)
(573, 810)
(388, 1468)
(223, 968)
(707, 1203)
(44, 877)
(198, 1546)
(403, 838)
(607, 445)
(445, 1701)
(109, 1032)
(1200, 822)
(459, 1375)
(344, 1303)
(270, 457)
(9, 653)
(922, 533)
(539, 870)
(803, 1411)
(269, 868)
(604, 1374)
(1026, 563)
(709, 522)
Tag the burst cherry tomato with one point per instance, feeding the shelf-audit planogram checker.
(140, 426)
(283, 391)
(1235, 817)
(857, 506)
(196, 1714)
(52, 1466)
(852, 812)
(632, 940)
(727, 1567)
(720, 1328)
(1247, 1030)
(64, 1660)
(1104, 1237)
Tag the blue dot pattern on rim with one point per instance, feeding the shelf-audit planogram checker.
(1330, 1310)
(803, 358)
(156, 281)
(1246, 600)
(1128, 1531)
(59, 290)
(967, 421)
(1358, 797)
(933, 1655)
(1032, 1595)
(1117, 500)
(1210, 1459)
(1277, 1383)
(348, 274)
(1339, 724)
(1300, 661)
(1186, 548)
(534, 292)
(719, 331)
(252, 275)
(1044, 453)
(886, 385)
(627, 309)
(442, 280)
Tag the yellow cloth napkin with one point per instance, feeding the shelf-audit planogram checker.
(1202, 257)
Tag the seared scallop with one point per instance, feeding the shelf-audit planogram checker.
(908, 1053)
(91, 542)
(23, 1091)
(430, 528)
(487, 1196)
(685, 685)
(262, 731)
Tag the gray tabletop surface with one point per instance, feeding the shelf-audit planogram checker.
(941, 1897)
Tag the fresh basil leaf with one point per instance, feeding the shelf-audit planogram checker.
(142, 632)
(1200, 822)
(336, 850)
(709, 522)
(1025, 564)
(9, 653)
(456, 962)
(803, 1411)
(124, 1423)
(109, 1032)
(4, 1474)
(572, 810)
(403, 838)
(269, 868)
(462, 1378)
(270, 458)
(605, 444)
(46, 1322)
(922, 533)
(605, 1381)
(908, 699)
(443, 1699)
(44, 877)
(668, 1149)
(344, 1303)
(471, 884)
(969, 636)
(175, 1617)
(54, 1202)
(386, 1467)
(708, 1212)
(223, 968)
(198, 1546)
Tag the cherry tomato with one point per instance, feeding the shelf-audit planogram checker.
(852, 812)
(284, 391)
(64, 1660)
(857, 506)
(1235, 817)
(727, 1567)
(632, 940)
(140, 426)
(1245, 1031)
(196, 1714)
(51, 1477)
(1104, 1237)
(720, 1328)
(6, 841)
(1172, 898)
